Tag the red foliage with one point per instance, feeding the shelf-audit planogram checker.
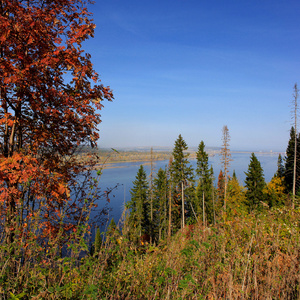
(50, 97)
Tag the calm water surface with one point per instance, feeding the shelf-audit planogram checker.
(124, 174)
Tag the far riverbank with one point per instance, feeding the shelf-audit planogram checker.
(116, 159)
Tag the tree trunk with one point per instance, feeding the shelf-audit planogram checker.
(203, 208)
(295, 150)
(182, 198)
(170, 212)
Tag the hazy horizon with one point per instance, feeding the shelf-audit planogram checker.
(193, 148)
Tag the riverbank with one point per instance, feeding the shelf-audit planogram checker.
(109, 159)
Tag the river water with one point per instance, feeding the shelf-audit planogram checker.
(124, 174)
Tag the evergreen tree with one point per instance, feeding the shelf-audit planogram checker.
(112, 228)
(289, 163)
(139, 220)
(204, 205)
(98, 241)
(160, 200)
(255, 184)
(234, 175)
(221, 187)
(112, 232)
(170, 197)
(280, 167)
(182, 176)
(96, 246)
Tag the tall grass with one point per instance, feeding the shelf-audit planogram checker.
(247, 257)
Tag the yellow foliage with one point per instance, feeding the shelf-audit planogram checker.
(235, 196)
(275, 186)
(275, 191)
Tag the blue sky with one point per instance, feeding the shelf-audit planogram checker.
(189, 67)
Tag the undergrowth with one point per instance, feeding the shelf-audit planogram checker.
(246, 257)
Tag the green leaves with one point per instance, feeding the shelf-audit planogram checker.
(16, 297)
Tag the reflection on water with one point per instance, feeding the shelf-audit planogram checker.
(124, 174)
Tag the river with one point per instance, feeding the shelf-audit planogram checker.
(123, 175)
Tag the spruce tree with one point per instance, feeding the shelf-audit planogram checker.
(280, 167)
(234, 175)
(182, 176)
(255, 184)
(139, 220)
(112, 227)
(289, 163)
(170, 197)
(112, 232)
(160, 201)
(204, 205)
(98, 241)
(221, 187)
(96, 246)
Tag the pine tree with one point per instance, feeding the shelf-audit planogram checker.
(96, 246)
(98, 241)
(255, 184)
(234, 175)
(280, 167)
(204, 203)
(139, 220)
(221, 187)
(289, 163)
(112, 227)
(170, 197)
(160, 200)
(112, 233)
(182, 175)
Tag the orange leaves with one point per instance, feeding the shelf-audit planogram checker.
(4, 31)
(44, 114)
(23, 173)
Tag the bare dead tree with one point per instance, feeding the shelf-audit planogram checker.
(151, 194)
(295, 109)
(225, 159)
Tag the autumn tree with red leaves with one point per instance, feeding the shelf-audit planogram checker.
(50, 100)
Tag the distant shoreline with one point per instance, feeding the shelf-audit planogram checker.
(144, 160)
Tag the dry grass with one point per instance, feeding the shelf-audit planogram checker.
(248, 257)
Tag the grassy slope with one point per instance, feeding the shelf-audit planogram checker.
(246, 257)
(250, 257)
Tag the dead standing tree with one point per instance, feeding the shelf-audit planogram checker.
(295, 106)
(225, 159)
